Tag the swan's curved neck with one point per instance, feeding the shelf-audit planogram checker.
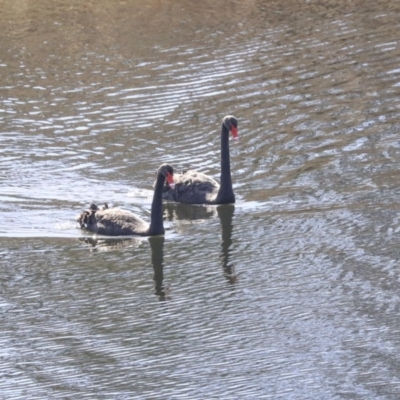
(225, 193)
(156, 219)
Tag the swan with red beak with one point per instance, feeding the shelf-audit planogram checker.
(117, 222)
(194, 187)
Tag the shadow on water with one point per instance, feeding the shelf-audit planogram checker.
(225, 214)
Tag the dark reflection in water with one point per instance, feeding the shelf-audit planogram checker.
(194, 214)
(225, 213)
(97, 244)
(187, 212)
(157, 261)
(106, 244)
(96, 94)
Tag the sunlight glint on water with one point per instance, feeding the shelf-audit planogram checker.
(290, 294)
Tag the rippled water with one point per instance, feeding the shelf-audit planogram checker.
(293, 292)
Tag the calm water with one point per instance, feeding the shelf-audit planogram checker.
(294, 292)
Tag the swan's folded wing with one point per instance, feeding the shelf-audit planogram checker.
(114, 221)
(191, 187)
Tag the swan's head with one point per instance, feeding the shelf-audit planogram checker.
(230, 123)
(168, 172)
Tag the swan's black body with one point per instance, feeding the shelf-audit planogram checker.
(193, 187)
(117, 222)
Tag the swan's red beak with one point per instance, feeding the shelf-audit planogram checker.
(170, 180)
(234, 131)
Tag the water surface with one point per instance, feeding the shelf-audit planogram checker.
(292, 293)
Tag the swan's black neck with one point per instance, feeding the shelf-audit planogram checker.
(156, 220)
(225, 194)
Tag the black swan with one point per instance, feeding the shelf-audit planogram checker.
(193, 187)
(117, 222)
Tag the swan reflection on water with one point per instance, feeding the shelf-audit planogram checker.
(225, 214)
(183, 214)
(157, 261)
(98, 244)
